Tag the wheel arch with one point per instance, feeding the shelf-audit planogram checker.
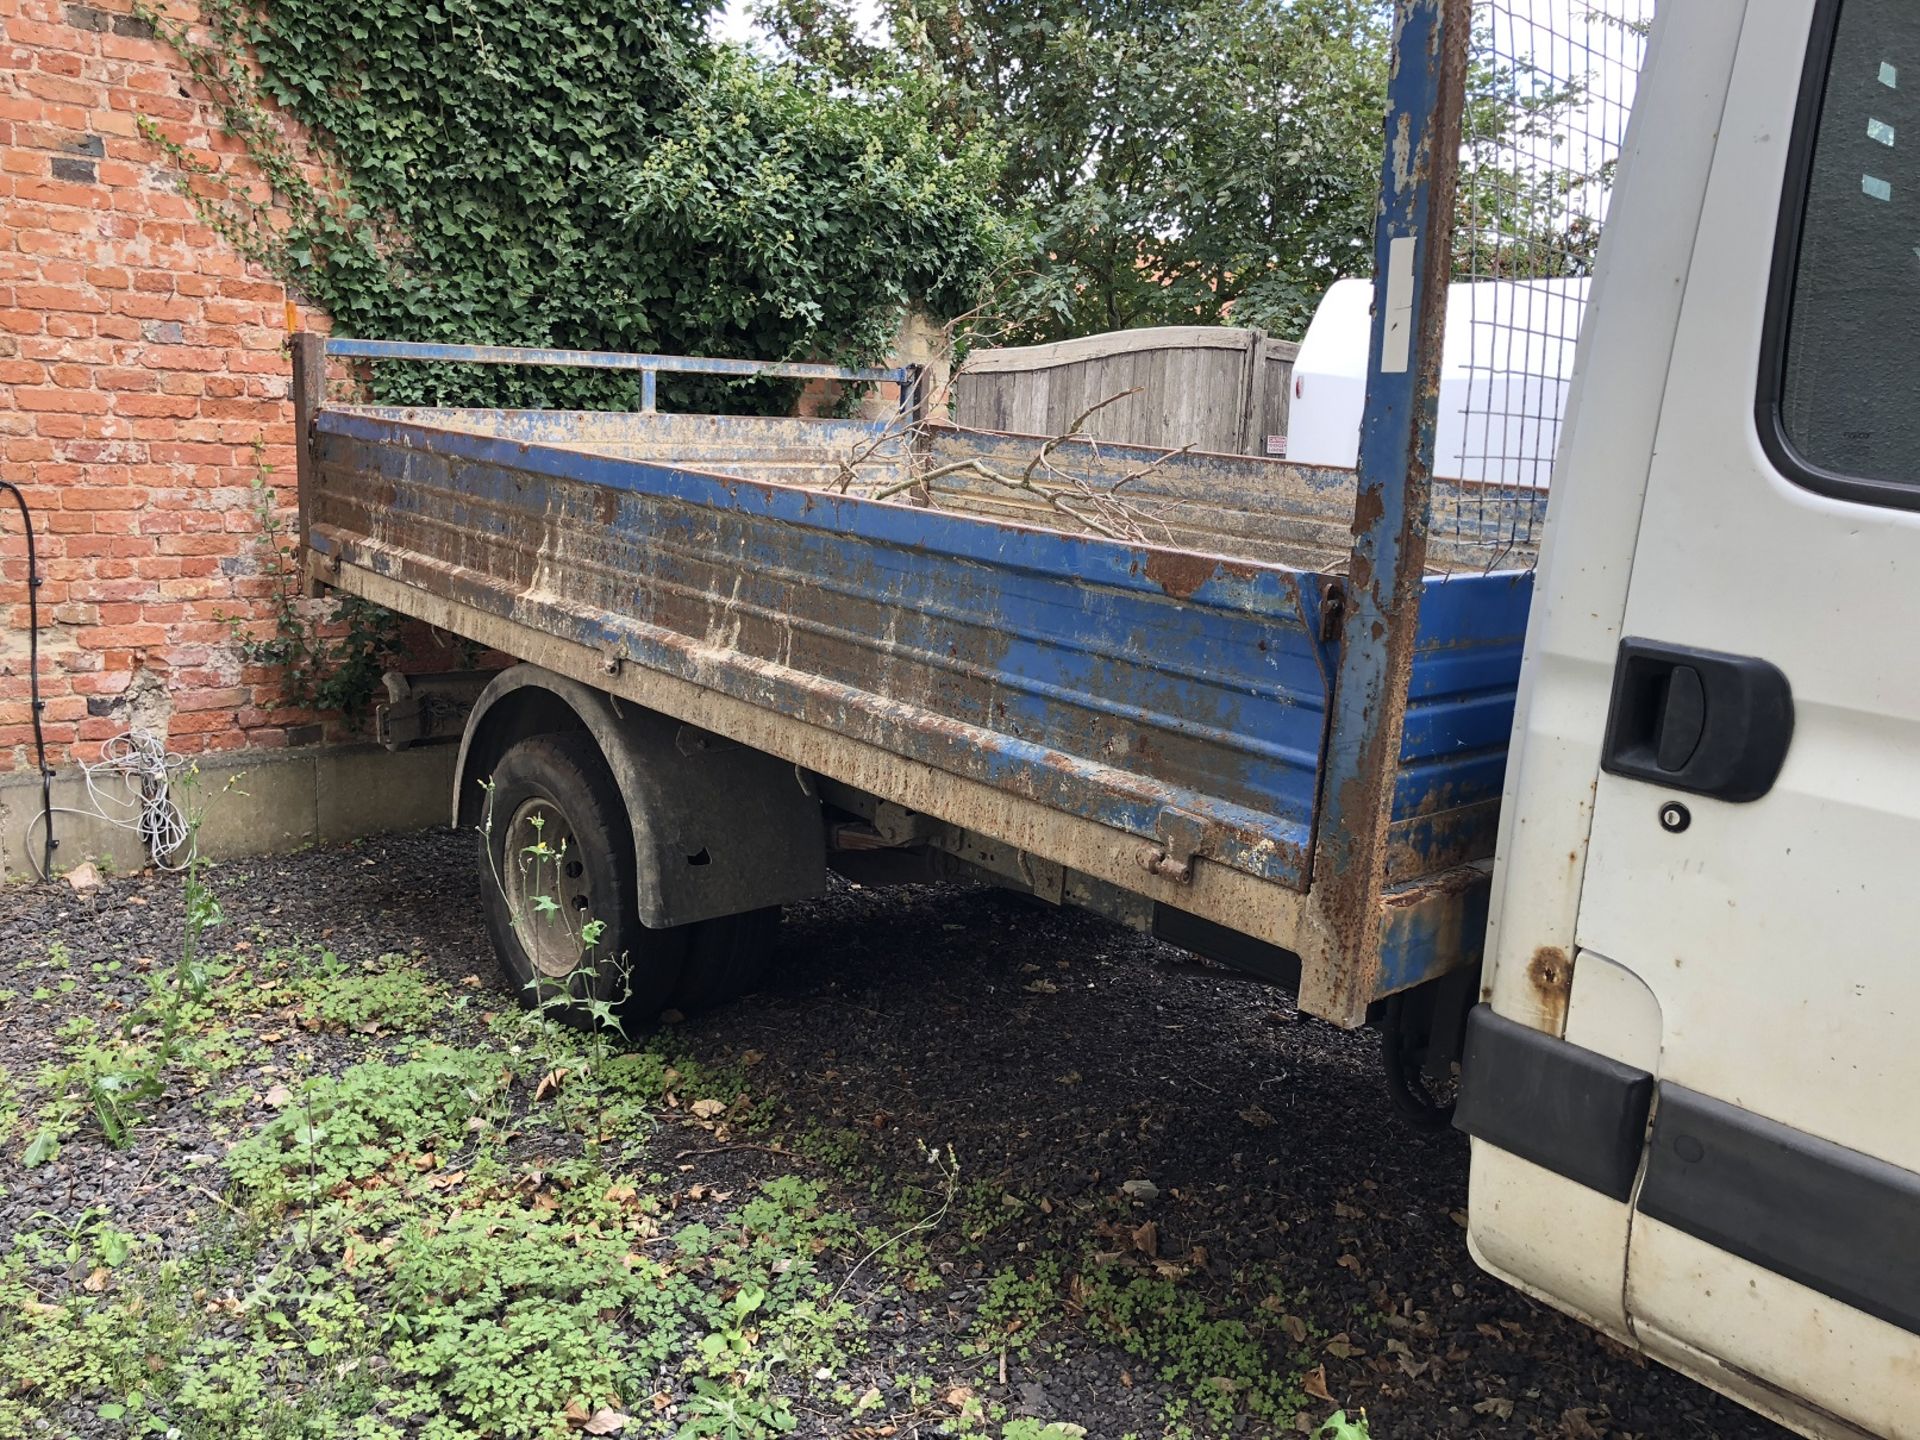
(717, 828)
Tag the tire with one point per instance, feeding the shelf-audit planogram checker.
(726, 958)
(555, 792)
(1421, 1102)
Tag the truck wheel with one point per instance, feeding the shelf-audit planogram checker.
(1406, 1033)
(557, 874)
(726, 958)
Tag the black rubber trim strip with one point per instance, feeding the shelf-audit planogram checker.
(1571, 1110)
(1835, 1220)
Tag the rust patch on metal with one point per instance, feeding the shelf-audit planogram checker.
(1437, 886)
(1550, 978)
(1368, 506)
(1178, 573)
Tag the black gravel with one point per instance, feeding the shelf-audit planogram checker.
(1058, 1056)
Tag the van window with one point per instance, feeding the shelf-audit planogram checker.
(1849, 376)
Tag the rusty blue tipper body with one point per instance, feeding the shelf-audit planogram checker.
(1213, 695)
(957, 647)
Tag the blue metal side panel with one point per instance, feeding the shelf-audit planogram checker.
(1453, 756)
(1460, 696)
(1427, 931)
(1144, 688)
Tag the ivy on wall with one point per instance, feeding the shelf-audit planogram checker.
(589, 173)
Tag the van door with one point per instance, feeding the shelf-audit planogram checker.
(1756, 824)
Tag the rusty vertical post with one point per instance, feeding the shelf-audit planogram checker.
(1413, 241)
(309, 391)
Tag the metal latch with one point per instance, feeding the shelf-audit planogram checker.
(1182, 836)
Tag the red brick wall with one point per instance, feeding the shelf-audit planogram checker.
(140, 361)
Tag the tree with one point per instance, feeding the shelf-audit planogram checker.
(1180, 163)
(579, 173)
(1534, 172)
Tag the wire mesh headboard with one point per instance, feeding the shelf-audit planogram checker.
(1549, 88)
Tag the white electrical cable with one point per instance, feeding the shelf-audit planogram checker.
(130, 788)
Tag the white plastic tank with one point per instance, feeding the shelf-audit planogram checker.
(1504, 369)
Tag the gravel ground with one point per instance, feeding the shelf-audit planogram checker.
(1058, 1057)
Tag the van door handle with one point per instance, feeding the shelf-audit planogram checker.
(1698, 720)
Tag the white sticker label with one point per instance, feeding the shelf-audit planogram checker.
(1881, 131)
(1888, 76)
(1397, 344)
(1879, 189)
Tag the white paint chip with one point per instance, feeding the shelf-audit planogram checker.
(1889, 76)
(1396, 345)
(1881, 131)
(1879, 189)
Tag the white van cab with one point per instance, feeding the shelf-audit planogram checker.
(1695, 1090)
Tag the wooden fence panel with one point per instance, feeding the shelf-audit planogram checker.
(1214, 387)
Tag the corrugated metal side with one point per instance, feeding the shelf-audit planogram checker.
(1453, 757)
(1159, 692)
(1460, 699)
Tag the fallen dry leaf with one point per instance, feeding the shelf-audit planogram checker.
(1315, 1384)
(97, 1281)
(84, 878)
(549, 1082)
(708, 1109)
(958, 1398)
(1497, 1406)
(277, 1095)
(1146, 1238)
(1295, 1327)
(606, 1421)
(1257, 1118)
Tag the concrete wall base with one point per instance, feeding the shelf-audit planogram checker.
(252, 803)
